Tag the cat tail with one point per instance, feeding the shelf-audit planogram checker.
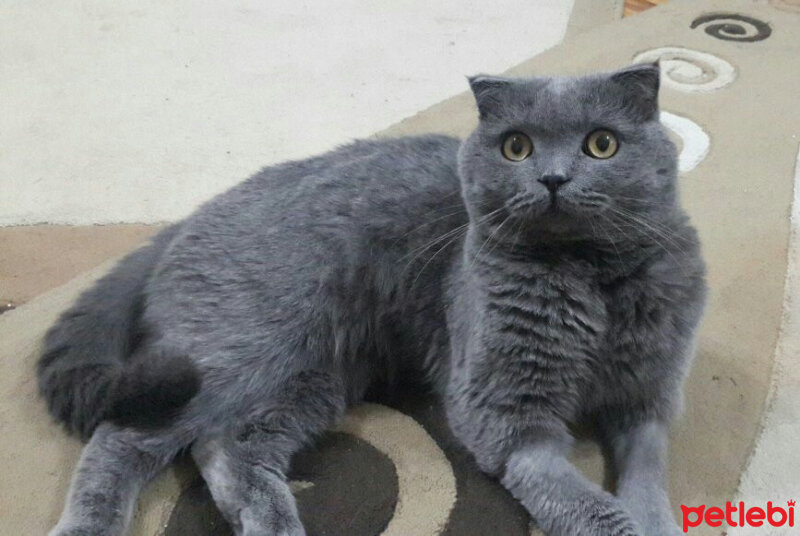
(84, 372)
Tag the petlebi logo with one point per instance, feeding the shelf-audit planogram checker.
(739, 515)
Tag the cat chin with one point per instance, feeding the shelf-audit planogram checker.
(553, 226)
(557, 215)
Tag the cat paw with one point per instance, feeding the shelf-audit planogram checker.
(270, 523)
(670, 528)
(623, 527)
(657, 522)
(275, 514)
(75, 530)
(609, 519)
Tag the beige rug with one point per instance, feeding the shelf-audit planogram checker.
(731, 79)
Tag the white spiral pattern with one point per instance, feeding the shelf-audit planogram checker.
(694, 140)
(690, 71)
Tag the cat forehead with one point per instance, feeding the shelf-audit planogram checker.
(562, 101)
(557, 87)
(564, 91)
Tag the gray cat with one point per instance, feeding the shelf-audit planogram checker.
(539, 274)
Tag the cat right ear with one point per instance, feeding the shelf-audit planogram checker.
(488, 91)
(639, 84)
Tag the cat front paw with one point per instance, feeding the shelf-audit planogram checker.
(609, 518)
(665, 528)
(656, 521)
(618, 527)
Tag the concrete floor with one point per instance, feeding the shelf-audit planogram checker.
(120, 112)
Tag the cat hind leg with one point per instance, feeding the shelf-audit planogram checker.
(114, 466)
(245, 468)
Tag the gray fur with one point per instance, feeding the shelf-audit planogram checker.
(313, 281)
(87, 372)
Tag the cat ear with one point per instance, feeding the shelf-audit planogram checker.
(488, 92)
(639, 85)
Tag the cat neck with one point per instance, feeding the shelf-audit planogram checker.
(603, 259)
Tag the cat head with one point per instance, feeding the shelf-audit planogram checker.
(568, 158)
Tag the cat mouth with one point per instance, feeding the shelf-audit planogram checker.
(537, 206)
(554, 207)
(557, 205)
(523, 203)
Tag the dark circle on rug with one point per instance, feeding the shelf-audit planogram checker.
(195, 513)
(733, 27)
(346, 486)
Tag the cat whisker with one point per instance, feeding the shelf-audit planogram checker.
(429, 222)
(640, 200)
(458, 235)
(462, 205)
(611, 240)
(664, 231)
(493, 233)
(521, 201)
(654, 234)
(518, 231)
(592, 195)
(461, 228)
(498, 241)
(421, 249)
(642, 203)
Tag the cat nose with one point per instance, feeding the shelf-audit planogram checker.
(554, 182)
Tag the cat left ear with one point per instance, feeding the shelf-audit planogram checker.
(639, 84)
(488, 91)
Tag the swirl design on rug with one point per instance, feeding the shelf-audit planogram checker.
(688, 70)
(733, 27)
(427, 487)
(695, 143)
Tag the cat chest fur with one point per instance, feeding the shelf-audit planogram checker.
(544, 327)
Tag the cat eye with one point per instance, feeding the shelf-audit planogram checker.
(601, 144)
(517, 147)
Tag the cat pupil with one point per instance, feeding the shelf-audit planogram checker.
(516, 145)
(603, 142)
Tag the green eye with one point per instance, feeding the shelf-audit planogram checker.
(517, 147)
(601, 144)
